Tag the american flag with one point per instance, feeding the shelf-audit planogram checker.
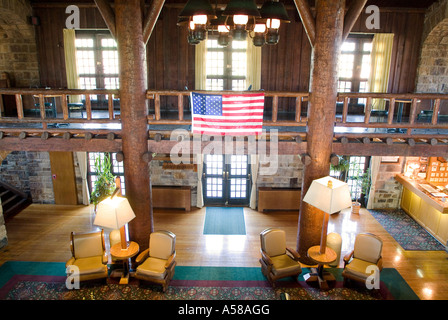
(227, 114)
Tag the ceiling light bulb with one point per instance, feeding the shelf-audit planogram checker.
(200, 19)
(191, 25)
(240, 19)
(260, 28)
(273, 23)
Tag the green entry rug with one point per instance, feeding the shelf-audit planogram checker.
(46, 281)
(224, 221)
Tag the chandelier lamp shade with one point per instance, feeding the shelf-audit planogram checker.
(239, 19)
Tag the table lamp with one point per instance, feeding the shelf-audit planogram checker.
(114, 212)
(328, 195)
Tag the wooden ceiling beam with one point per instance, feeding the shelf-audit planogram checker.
(150, 18)
(308, 20)
(351, 16)
(37, 143)
(108, 15)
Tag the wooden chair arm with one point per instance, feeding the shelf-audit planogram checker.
(105, 258)
(380, 263)
(70, 262)
(170, 260)
(266, 258)
(142, 256)
(348, 256)
(294, 253)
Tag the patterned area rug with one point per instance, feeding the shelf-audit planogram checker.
(406, 231)
(211, 284)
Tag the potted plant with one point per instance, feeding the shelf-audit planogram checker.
(104, 185)
(363, 179)
(341, 168)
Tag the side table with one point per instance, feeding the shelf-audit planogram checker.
(124, 254)
(319, 274)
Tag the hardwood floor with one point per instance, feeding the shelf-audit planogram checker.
(41, 233)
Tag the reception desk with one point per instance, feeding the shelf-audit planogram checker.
(429, 211)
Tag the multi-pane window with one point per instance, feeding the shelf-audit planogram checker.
(97, 61)
(354, 64)
(226, 67)
(356, 168)
(117, 168)
(238, 171)
(214, 172)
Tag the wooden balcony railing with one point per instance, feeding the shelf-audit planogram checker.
(38, 99)
(405, 115)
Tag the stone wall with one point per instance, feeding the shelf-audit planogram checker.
(29, 172)
(174, 177)
(387, 189)
(432, 72)
(18, 49)
(288, 174)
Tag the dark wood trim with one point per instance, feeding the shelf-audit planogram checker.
(309, 22)
(108, 15)
(351, 16)
(151, 18)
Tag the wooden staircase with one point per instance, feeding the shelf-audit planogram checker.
(13, 200)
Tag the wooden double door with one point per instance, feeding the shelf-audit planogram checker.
(226, 180)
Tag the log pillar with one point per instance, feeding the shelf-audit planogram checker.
(134, 110)
(321, 115)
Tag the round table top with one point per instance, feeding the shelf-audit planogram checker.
(122, 254)
(328, 257)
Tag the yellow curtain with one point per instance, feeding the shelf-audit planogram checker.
(380, 59)
(200, 65)
(70, 62)
(253, 65)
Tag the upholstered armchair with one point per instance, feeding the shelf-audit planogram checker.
(88, 255)
(277, 261)
(367, 252)
(156, 264)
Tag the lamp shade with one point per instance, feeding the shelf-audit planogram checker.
(242, 7)
(328, 197)
(274, 10)
(113, 213)
(197, 7)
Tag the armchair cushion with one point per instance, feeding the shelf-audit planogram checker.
(153, 267)
(90, 265)
(283, 264)
(358, 268)
(161, 245)
(368, 247)
(88, 245)
(89, 255)
(273, 241)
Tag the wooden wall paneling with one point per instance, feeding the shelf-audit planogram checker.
(63, 177)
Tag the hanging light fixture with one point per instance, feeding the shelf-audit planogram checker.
(199, 13)
(259, 34)
(238, 18)
(241, 11)
(223, 27)
(273, 12)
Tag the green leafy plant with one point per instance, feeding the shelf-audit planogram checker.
(364, 181)
(342, 167)
(104, 186)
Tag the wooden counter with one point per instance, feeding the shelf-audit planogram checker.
(428, 211)
(413, 186)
